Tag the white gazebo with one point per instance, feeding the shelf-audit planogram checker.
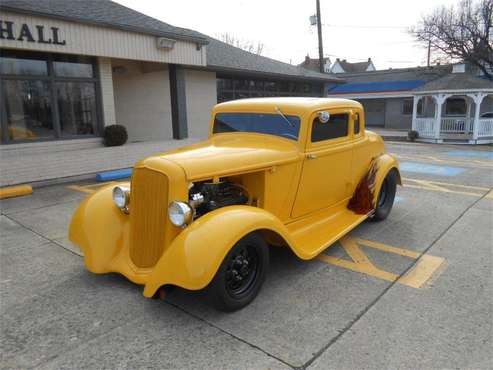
(455, 108)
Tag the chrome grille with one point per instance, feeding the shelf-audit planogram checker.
(148, 216)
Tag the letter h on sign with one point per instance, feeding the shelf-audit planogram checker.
(7, 31)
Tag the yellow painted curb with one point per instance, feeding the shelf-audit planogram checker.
(15, 191)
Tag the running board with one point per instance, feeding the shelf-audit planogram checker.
(315, 233)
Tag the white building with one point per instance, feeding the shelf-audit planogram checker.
(447, 103)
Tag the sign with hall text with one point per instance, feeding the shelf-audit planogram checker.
(23, 32)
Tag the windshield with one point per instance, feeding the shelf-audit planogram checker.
(262, 123)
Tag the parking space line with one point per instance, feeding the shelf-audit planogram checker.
(422, 272)
(426, 267)
(82, 189)
(443, 190)
(90, 188)
(476, 191)
(429, 158)
(470, 153)
(450, 184)
(388, 248)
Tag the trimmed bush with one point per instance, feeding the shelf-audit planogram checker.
(115, 135)
(412, 135)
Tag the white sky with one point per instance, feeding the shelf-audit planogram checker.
(357, 29)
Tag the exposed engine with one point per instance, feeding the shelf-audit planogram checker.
(207, 196)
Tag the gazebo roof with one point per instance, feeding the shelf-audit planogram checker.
(456, 81)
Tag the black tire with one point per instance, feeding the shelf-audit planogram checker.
(386, 197)
(237, 283)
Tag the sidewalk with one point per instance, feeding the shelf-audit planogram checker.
(389, 134)
(22, 166)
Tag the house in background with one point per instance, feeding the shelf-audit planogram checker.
(314, 64)
(343, 66)
(387, 95)
(446, 103)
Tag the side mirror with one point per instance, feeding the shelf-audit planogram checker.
(323, 117)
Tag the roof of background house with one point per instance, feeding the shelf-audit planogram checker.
(312, 63)
(376, 87)
(101, 13)
(353, 67)
(457, 81)
(389, 80)
(399, 74)
(105, 13)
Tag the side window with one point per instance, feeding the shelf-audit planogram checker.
(356, 123)
(336, 127)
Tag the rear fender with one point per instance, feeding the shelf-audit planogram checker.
(196, 253)
(385, 163)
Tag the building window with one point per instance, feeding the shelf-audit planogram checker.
(73, 69)
(455, 107)
(407, 107)
(76, 108)
(45, 96)
(230, 88)
(19, 64)
(27, 105)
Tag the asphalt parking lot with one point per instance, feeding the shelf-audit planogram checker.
(414, 291)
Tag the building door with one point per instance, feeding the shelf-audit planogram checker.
(374, 112)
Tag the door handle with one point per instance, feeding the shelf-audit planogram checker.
(311, 156)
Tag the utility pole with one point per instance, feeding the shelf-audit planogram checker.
(320, 43)
(429, 53)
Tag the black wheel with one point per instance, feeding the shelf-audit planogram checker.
(241, 274)
(386, 197)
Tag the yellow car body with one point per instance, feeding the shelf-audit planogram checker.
(298, 193)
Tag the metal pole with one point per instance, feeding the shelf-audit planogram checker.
(429, 52)
(320, 43)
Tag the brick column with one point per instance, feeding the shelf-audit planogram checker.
(178, 102)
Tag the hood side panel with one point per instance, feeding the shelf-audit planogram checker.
(233, 153)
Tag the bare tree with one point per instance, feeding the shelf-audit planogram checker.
(255, 47)
(462, 33)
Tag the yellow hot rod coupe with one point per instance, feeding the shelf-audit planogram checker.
(293, 172)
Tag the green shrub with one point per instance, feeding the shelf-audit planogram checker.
(115, 135)
(412, 135)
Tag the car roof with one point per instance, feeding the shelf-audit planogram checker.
(288, 104)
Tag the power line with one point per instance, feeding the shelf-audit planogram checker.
(364, 26)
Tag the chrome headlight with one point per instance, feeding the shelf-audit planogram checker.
(121, 197)
(180, 214)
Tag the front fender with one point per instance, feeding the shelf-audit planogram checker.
(100, 229)
(194, 256)
(385, 163)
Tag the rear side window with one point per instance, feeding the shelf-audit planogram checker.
(336, 127)
(356, 123)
